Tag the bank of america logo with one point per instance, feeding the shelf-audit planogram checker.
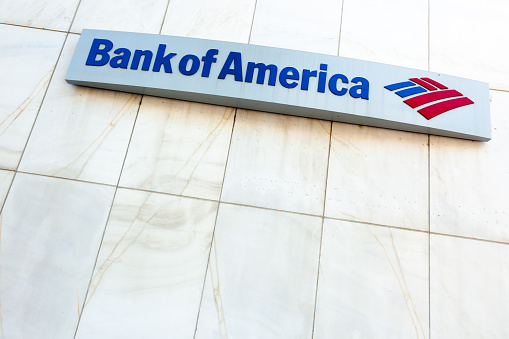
(432, 91)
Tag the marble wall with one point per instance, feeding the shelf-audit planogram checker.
(128, 216)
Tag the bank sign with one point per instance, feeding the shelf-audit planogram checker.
(283, 81)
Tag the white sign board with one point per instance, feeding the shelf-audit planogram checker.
(283, 81)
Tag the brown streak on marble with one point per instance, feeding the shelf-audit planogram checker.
(223, 122)
(103, 135)
(327, 131)
(210, 134)
(28, 100)
(404, 281)
(216, 291)
(103, 270)
(398, 279)
(1, 318)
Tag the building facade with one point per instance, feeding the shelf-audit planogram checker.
(131, 216)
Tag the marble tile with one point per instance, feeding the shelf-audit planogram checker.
(226, 20)
(5, 183)
(467, 39)
(261, 279)
(469, 294)
(311, 26)
(469, 181)
(179, 147)
(80, 133)
(26, 64)
(378, 176)
(51, 232)
(49, 14)
(373, 282)
(129, 15)
(149, 275)
(277, 161)
(392, 32)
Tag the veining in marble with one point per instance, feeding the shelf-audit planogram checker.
(179, 147)
(468, 39)
(129, 15)
(226, 20)
(149, 275)
(27, 62)
(51, 230)
(5, 182)
(470, 180)
(261, 278)
(373, 282)
(391, 32)
(49, 14)
(378, 176)
(469, 294)
(277, 161)
(304, 25)
(80, 133)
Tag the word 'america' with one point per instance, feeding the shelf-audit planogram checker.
(189, 64)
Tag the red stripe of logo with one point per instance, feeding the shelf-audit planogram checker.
(433, 82)
(444, 106)
(429, 97)
(424, 84)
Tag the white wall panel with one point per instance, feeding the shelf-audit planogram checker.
(468, 39)
(470, 180)
(27, 62)
(261, 278)
(277, 161)
(51, 232)
(373, 282)
(179, 147)
(149, 275)
(469, 294)
(227, 20)
(80, 133)
(391, 31)
(378, 176)
(311, 26)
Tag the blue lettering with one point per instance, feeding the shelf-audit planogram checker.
(95, 50)
(262, 69)
(288, 73)
(306, 74)
(163, 60)
(147, 59)
(360, 91)
(208, 59)
(195, 64)
(333, 84)
(122, 60)
(322, 78)
(234, 58)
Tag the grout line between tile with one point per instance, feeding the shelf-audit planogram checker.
(39, 28)
(429, 236)
(207, 266)
(252, 22)
(164, 16)
(107, 220)
(321, 232)
(35, 120)
(429, 37)
(63, 178)
(341, 24)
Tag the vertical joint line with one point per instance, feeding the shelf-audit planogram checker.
(207, 267)
(341, 24)
(164, 16)
(252, 24)
(321, 234)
